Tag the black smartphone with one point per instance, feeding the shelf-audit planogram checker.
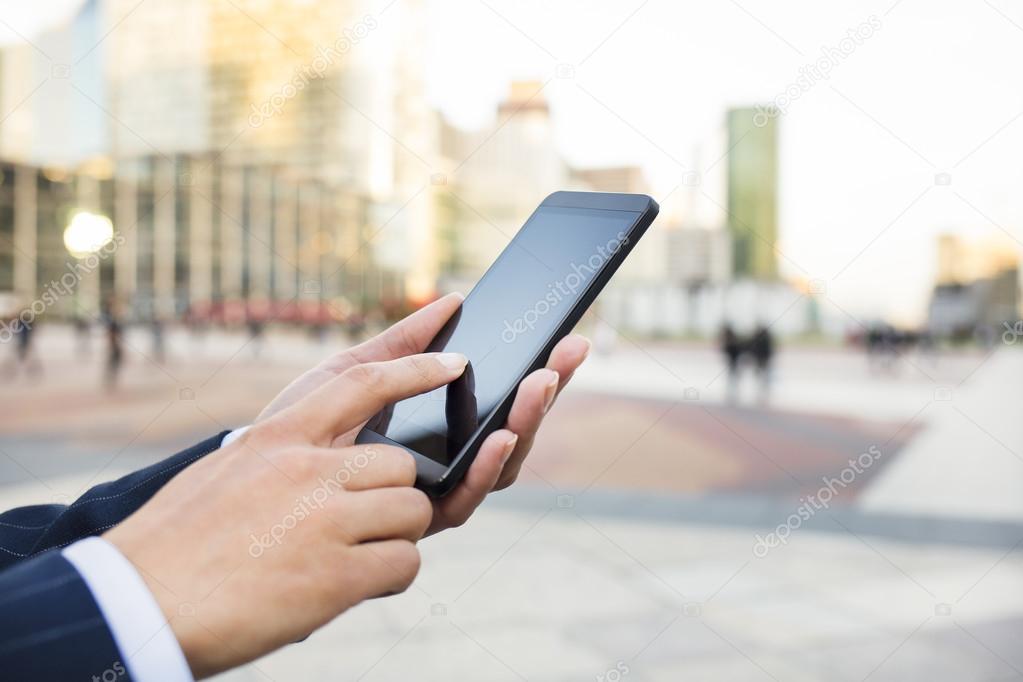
(527, 301)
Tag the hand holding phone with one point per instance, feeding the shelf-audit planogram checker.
(527, 301)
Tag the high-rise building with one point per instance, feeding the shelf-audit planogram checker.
(697, 256)
(753, 192)
(496, 177)
(977, 285)
(303, 85)
(259, 150)
(962, 259)
(52, 93)
(613, 179)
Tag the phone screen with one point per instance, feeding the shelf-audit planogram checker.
(504, 323)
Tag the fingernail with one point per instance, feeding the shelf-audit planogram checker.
(548, 394)
(509, 447)
(452, 360)
(589, 345)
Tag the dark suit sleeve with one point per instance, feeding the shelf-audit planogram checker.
(51, 627)
(28, 531)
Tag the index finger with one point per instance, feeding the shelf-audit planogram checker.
(361, 391)
(408, 336)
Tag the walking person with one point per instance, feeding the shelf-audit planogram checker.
(83, 332)
(731, 346)
(159, 347)
(762, 350)
(24, 354)
(115, 346)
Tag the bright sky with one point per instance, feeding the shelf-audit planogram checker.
(936, 89)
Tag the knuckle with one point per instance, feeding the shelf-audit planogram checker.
(399, 463)
(406, 563)
(419, 506)
(368, 376)
(424, 366)
(357, 459)
(267, 432)
(337, 363)
(507, 477)
(457, 519)
(408, 342)
(300, 463)
(407, 468)
(400, 341)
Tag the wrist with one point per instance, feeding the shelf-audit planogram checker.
(179, 614)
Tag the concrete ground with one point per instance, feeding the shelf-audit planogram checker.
(633, 547)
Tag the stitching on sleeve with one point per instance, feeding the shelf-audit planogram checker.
(15, 525)
(142, 483)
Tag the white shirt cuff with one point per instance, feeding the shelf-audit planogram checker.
(234, 435)
(142, 634)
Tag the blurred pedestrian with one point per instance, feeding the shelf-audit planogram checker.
(115, 346)
(761, 348)
(83, 334)
(883, 342)
(197, 323)
(159, 347)
(255, 327)
(731, 346)
(24, 352)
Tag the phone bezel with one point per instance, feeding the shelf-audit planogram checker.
(437, 479)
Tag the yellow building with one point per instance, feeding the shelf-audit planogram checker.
(962, 259)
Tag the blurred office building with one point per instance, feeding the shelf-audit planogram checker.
(246, 169)
(711, 258)
(283, 163)
(977, 288)
(752, 219)
(493, 178)
(52, 91)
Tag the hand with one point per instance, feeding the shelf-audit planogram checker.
(501, 456)
(263, 541)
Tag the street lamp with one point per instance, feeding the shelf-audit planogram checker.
(87, 233)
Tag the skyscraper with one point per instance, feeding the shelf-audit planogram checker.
(500, 174)
(257, 147)
(753, 192)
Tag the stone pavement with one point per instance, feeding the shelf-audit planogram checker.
(966, 462)
(634, 556)
(548, 593)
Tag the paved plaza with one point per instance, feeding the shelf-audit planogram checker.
(632, 548)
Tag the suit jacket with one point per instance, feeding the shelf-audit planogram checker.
(51, 628)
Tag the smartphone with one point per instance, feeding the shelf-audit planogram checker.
(528, 300)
